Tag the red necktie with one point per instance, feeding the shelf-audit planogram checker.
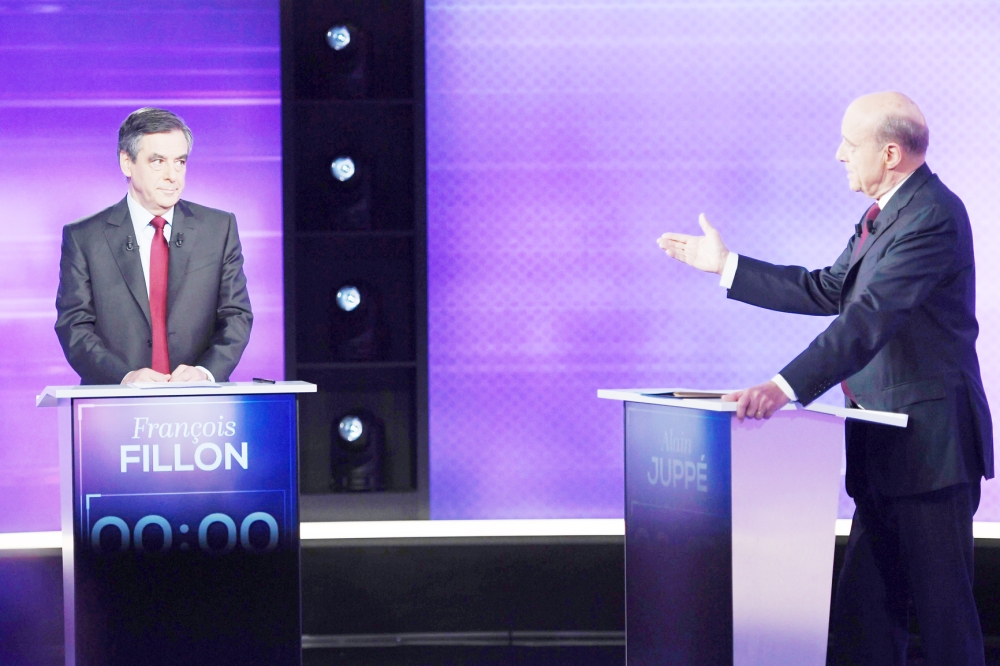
(159, 266)
(869, 217)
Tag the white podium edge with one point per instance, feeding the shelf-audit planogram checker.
(51, 396)
(642, 395)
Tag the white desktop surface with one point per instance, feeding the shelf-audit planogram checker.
(639, 395)
(53, 394)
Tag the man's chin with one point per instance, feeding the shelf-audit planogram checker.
(168, 203)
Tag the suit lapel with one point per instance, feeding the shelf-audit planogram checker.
(117, 231)
(185, 223)
(887, 217)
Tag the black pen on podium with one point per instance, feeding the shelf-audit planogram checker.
(260, 380)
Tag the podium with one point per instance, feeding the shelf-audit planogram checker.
(730, 530)
(180, 523)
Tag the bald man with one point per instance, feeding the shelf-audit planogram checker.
(904, 340)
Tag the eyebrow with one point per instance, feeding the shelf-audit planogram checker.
(157, 156)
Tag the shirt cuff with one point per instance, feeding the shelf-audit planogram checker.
(211, 377)
(729, 270)
(785, 387)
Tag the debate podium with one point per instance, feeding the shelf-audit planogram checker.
(180, 524)
(730, 530)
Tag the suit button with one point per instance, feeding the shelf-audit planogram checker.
(149, 343)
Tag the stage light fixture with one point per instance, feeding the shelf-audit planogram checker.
(357, 328)
(348, 298)
(351, 428)
(357, 449)
(350, 191)
(343, 169)
(338, 37)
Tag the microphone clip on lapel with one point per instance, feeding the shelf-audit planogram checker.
(129, 246)
(180, 239)
(869, 223)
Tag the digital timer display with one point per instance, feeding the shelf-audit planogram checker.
(186, 530)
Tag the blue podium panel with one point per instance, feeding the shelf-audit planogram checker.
(678, 541)
(185, 531)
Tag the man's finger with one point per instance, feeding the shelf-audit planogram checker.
(677, 238)
(705, 225)
(741, 406)
(732, 397)
(675, 251)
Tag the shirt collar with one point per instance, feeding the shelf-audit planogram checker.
(142, 217)
(883, 200)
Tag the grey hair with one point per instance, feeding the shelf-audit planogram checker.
(145, 121)
(912, 135)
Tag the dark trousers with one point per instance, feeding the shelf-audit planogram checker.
(917, 548)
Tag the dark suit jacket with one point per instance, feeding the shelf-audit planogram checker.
(103, 319)
(904, 338)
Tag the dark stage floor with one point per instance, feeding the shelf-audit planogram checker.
(493, 604)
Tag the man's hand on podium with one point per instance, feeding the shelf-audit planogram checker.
(182, 373)
(707, 253)
(145, 375)
(187, 373)
(758, 402)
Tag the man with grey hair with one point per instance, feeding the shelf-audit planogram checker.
(904, 340)
(152, 289)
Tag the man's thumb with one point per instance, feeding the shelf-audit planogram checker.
(704, 223)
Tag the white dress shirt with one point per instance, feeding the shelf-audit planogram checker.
(144, 232)
(733, 260)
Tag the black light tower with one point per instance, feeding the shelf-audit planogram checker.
(355, 253)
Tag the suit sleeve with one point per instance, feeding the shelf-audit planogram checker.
(791, 289)
(912, 267)
(233, 316)
(75, 320)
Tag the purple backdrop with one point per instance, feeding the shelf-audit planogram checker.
(71, 73)
(563, 138)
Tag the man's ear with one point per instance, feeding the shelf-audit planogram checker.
(125, 163)
(893, 155)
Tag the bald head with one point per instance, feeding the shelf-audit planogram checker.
(893, 117)
(884, 140)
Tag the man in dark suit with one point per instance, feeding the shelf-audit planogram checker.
(152, 288)
(904, 340)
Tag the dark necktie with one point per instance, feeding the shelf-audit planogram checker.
(869, 218)
(159, 266)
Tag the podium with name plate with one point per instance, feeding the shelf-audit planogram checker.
(180, 523)
(730, 529)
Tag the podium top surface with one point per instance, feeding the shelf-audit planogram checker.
(714, 405)
(53, 394)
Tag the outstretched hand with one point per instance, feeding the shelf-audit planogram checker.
(707, 253)
(758, 402)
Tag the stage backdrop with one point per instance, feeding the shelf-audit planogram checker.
(71, 72)
(565, 137)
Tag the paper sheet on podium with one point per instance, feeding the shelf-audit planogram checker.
(689, 393)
